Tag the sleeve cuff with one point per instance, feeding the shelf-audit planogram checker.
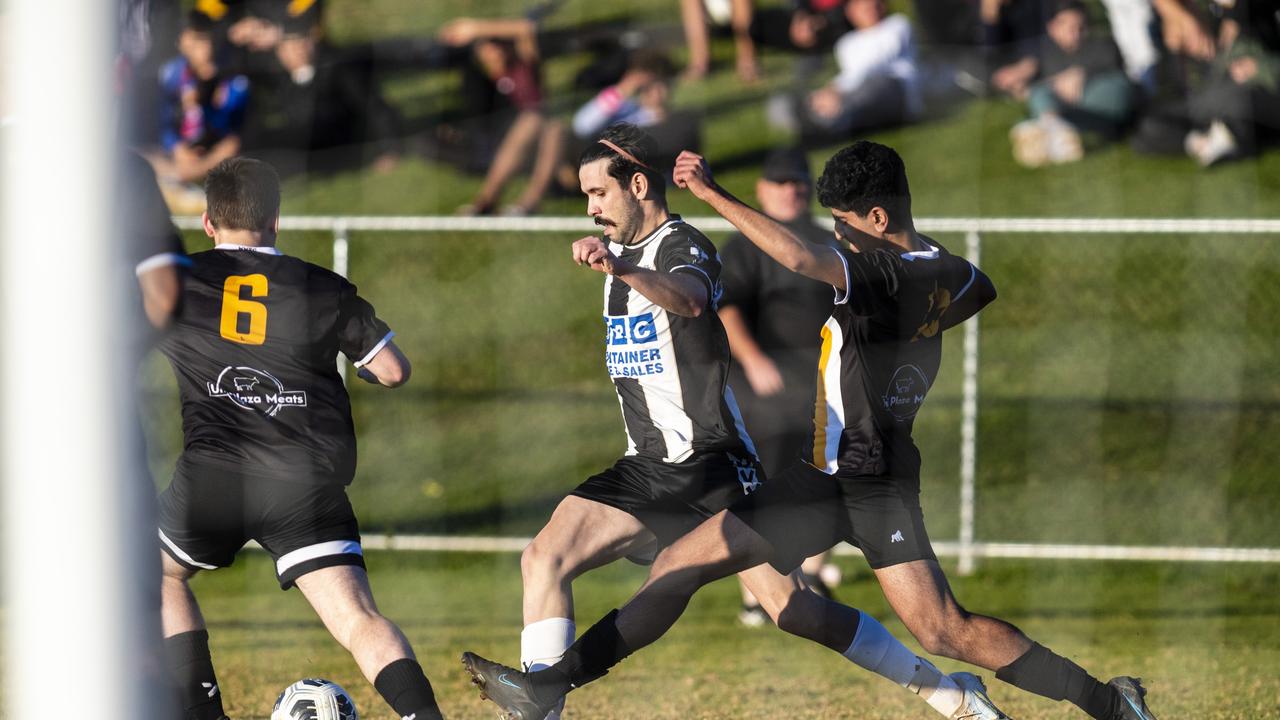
(973, 275)
(701, 273)
(376, 348)
(159, 261)
(843, 297)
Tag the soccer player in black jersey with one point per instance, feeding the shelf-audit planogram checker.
(896, 292)
(269, 444)
(688, 456)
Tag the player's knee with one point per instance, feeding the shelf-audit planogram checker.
(541, 560)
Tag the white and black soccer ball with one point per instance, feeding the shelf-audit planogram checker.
(314, 699)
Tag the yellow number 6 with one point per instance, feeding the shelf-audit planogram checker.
(233, 306)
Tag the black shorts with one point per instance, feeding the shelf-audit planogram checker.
(671, 499)
(804, 511)
(207, 514)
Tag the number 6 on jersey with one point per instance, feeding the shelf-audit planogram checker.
(233, 306)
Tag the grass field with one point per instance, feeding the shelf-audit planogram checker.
(1130, 393)
(1205, 637)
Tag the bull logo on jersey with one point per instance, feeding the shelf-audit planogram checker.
(939, 301)
(631, 330)
(254, 389)
(906, 391)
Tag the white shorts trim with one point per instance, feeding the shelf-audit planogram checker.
(311, 552)
(376, 348)
(182, 555)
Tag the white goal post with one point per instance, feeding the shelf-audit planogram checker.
(966, 548)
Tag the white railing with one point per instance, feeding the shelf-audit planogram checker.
(966, 548)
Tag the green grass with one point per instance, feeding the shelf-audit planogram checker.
(1130, 393)
(1202, 636)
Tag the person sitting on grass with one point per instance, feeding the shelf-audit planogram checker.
(1081, 87)
(204, 111)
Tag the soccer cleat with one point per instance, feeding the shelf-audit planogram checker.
(753, 616)
(976, 704)
(1133, 704)
(507, 688)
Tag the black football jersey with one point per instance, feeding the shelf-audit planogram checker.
(880, 354)
(254, 354)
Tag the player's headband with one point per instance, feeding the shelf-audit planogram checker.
(625, 154)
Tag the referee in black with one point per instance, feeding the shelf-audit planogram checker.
(269, 443)
(773, 318)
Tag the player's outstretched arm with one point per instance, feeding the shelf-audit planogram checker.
(980, 293)
(389, 367)
(678, 293)
(821, 264)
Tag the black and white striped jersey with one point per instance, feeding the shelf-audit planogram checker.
(880, 354)
(671, 372)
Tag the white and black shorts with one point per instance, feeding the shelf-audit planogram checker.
(671, 499)
(208, 513)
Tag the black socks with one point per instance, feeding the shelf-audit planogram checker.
(406, 689)
(191, 670)
(589, 658)
(1045, 673)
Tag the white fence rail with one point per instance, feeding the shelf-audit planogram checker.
(967, 548)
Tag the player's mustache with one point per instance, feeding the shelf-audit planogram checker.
(603, 222)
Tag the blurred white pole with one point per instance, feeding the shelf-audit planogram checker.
(68, 614)
(341, 248)
(969, 423)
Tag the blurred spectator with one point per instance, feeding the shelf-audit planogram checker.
(317, 101)
(507, 56)
(203, 114)
(642, 98)
(1238, 104)
(809, 28)
(878, 84)
(1081, 87)
(736, 14)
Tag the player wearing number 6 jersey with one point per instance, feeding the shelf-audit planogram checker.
(269, 444)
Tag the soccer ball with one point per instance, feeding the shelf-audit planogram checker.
(314, 699)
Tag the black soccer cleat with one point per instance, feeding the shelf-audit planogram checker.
(507, 688)
(1133, 697)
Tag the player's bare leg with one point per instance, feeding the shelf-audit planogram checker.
(581, 535)
(719, 547)
(186, 644)
(921, 596)
(343, 600)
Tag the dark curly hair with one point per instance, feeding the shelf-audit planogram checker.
(866, 175)
(641, 146)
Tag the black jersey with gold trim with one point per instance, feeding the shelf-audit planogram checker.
(880, 354)
(254, 354)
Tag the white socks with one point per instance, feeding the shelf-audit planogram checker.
(542, 644)
(874, 649)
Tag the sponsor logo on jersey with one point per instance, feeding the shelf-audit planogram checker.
(622, 356)
(906, 391)
(631, 329)
(254, 389)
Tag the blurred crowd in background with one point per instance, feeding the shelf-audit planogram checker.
(1199, 78)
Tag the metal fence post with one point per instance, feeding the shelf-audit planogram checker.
(969, 423)
(341, 266)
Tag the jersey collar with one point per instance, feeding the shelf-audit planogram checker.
(252, 248)
(658, 232)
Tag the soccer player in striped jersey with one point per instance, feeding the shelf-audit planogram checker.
(896, 292)
(688, 456)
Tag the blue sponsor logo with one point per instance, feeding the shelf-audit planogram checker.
(631, 330)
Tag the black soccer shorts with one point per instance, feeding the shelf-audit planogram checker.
(671, 499)
(208, 513)
(804, 511)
